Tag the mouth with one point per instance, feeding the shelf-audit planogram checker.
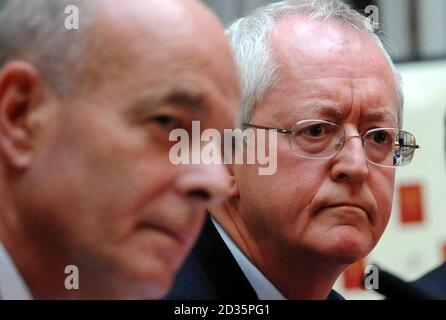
(170, 232)
(346, 207)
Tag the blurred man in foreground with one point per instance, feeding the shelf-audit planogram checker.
(85, 115)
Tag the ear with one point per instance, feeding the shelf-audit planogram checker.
(20, 94)
(233, 193)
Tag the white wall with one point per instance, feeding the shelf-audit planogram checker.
(395, 23)
(432, 21)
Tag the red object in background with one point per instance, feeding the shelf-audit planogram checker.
(444, 252)
(411, 204)
(354, 276)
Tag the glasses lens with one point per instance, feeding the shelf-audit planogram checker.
(316, 139)
(389, 147)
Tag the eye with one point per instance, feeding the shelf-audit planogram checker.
(167, 122)
(380, 137)
(315, 131)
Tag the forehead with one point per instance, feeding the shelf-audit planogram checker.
(160, 46)
(326, 65)
(300, 40)
(153, 32)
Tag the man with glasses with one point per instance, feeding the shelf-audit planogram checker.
(323, 140)
(314, 72)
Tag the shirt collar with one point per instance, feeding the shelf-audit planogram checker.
(264, 289)
(12, 285)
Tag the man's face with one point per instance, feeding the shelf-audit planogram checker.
(101, 187)
(333, 209)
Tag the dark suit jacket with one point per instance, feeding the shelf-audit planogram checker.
(434, 282)
(212, 273)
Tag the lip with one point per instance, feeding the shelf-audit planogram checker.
(169, 231)
(345, 205)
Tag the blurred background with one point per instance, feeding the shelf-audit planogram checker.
(415, 240)
(414, 29)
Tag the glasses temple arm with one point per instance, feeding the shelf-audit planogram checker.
(285, 131)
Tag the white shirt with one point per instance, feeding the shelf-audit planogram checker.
(264, 289)
(12, 285)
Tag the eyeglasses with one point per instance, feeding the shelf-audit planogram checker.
(320, 140)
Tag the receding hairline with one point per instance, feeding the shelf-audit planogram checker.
(67, 59)
(352, 37)
(249, 38)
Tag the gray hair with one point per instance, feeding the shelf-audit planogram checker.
(34, 31)
(248, 37)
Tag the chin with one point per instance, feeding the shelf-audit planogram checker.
(157, 290)
(144, 291)
(145, 276)
(149, 285)
(347, 245)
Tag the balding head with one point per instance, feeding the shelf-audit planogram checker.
(35, 31)
(175, 30)
(85, 123)
(68, 59)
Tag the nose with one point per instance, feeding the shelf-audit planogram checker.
(350, 164)
(204, 185)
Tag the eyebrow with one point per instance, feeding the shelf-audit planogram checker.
(145, 103)
(381, 116)
(182, 98)
(376, 116)
(328, 112)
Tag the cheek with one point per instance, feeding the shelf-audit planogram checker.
(283, 198)
(382, 186)
(133, 187)
(300, 179)
(100, 196)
